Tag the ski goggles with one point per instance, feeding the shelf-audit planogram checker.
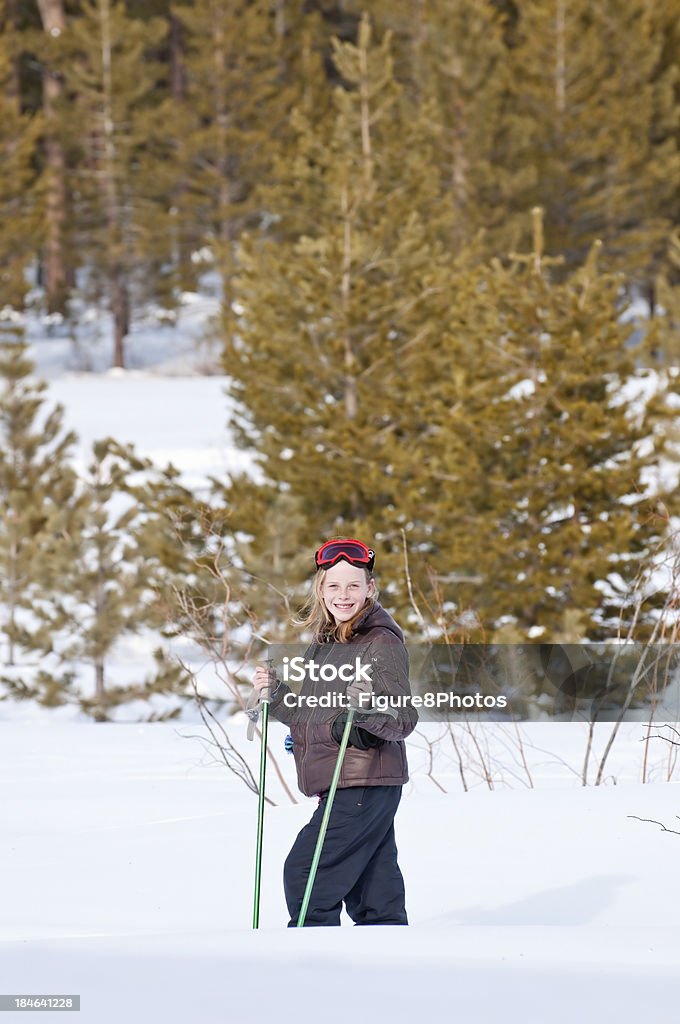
(354, 551)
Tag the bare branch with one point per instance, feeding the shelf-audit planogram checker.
(652, 821)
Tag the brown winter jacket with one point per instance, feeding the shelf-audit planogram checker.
(378, 640)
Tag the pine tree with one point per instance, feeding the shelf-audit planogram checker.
(56, 268)
(452, 59)
(602, 147)
(339, 304)
(668, 295)
(119, 209)
(36, 487)
(104, 584)
(268, 549)
(544, 514)
(235, 107)
(178, 270)
(171, 537)
(666, 81)
(663, 344)
(20, 201)
(460, 64)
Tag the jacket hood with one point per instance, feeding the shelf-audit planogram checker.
(374, 617)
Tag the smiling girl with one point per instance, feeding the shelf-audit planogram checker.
(358, 864)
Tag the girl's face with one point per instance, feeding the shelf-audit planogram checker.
(345, 590)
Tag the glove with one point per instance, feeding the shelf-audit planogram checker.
(358, 737)
(354, 691)
(365, 706)
(288, 744)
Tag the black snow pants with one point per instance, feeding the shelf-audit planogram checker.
(358, 861)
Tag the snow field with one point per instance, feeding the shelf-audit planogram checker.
(127, 868)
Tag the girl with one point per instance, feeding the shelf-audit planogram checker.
(358, 864)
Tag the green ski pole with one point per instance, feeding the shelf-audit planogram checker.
(260, 807)
(324, 820)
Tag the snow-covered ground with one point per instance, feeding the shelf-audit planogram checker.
(126, 860)
(182, 420)
(163, 404)
(187, 343)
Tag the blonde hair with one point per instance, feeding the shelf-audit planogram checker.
(320, 620)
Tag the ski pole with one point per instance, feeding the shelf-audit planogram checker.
(260, 806)
(324, 822)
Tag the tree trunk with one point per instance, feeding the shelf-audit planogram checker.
(178, 78)
(99, 607)
(224, 197)
(100, 691)
(11, 587)
(55, 270)
(8, 23)
(183, 242)
(418, 61)
(119, 296)
(120, 309)
(459, 161)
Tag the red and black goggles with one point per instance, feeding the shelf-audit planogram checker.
(353, 551)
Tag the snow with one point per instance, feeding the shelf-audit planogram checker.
(156, 344)
(169, 419)
(163, 404)
(127, 860)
